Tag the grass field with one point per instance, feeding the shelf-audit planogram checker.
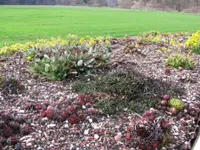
(27, 23)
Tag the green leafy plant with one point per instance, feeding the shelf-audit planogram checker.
(177, 61)
(75, 57)
(176, 103)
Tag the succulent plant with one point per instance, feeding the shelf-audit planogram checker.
(64, 114)
(50, 113)
(27, 129)
(73, 119)
(11, 127)
(176, 103)
(146, 132)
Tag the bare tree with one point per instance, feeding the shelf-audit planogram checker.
(176, 5)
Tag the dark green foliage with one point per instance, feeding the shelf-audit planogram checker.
(114, 106)
(197, 50)
(10, 86)
(128, 88)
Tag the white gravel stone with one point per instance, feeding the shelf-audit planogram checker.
(66, 125)
(84, 107)
(86, 132)
(95, 126)
(29, 144)
(90, 120)
(51, 125)
(21, 111)
(96, 136)
(26, 137)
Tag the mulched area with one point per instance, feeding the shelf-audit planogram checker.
(99, 131)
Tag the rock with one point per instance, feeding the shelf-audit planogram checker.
(80, 63)
(164, 102)
(90, 120)
(92, 110)
(51, 125)
(17, 147)
(96, 136)
(66, 125)
(86, 132)
(40, 148)
(118, 137)
(173, 110)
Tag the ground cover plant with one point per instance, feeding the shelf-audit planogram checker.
(20, 24)
(125, 89)
(130, 100)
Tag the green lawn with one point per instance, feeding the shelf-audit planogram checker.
(27, 23)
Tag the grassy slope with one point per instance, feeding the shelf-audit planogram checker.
(24, 23)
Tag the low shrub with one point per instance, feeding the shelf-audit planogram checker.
(76, 56)
(193, 43)
(178, 60)
(9, 50)
(149, 131)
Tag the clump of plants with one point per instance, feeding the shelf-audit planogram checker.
(148, 130)
(11, 128)
(133, 49)
(179, 61)
(73, 110)
(77, 56)
(193, 43)
(9, 50)
(122, 87)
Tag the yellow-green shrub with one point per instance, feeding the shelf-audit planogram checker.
(9, 50)
(71, 40)
(179, 60)
(193, 43)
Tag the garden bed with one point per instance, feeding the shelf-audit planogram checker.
(86, 125)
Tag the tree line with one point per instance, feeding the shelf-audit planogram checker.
(178, 5)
